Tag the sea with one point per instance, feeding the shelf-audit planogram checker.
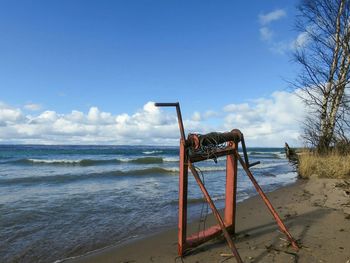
(58, 202)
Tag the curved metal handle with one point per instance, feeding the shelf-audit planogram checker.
(245, 154)
(179, 117)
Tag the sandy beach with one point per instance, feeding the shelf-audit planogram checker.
(316, 211)
(127, 127)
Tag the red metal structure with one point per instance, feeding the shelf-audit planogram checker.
(191, 151)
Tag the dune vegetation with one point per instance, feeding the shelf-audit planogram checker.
(331, 165)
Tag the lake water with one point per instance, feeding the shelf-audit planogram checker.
(62, 201)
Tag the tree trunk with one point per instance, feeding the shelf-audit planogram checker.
(326, 122)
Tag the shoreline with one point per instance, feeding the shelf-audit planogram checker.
(192, 228)
(313, 210)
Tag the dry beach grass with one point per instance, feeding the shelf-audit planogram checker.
(331, 165)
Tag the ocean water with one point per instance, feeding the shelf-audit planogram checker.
(62, 201)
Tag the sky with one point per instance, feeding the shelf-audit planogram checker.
(88, 72)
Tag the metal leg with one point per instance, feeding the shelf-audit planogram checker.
(216, 214)
(183, 181)
(231, 188)
(267, 202)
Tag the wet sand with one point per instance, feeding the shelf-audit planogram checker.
(316, 211)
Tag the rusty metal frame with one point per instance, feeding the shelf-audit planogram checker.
(227, 225)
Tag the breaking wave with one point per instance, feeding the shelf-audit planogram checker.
(64, 178)
(152, 152)
(91, 162)
(267, 155)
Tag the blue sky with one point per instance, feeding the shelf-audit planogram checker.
(115, 56)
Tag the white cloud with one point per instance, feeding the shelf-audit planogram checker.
(196, 116)
(46, 116)
(93, 114)
(210, 114)
(275, 15)
(204, 116)
(266, 33)
(282, 47)
(75, 116)
(32, 107)
(9, 114)
(268, 121)
(94, 127)
(264, 121)
(236, 107)
(301, 40)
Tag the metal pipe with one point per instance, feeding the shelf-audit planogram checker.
(231, 189)
(213, 138)
(183, 187)
(245, 152)
(253, 164)
(267, 202)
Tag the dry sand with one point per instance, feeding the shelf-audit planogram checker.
(317, 212)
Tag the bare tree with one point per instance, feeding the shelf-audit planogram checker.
(324, 55)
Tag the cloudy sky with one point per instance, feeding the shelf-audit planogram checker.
(88, 72)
